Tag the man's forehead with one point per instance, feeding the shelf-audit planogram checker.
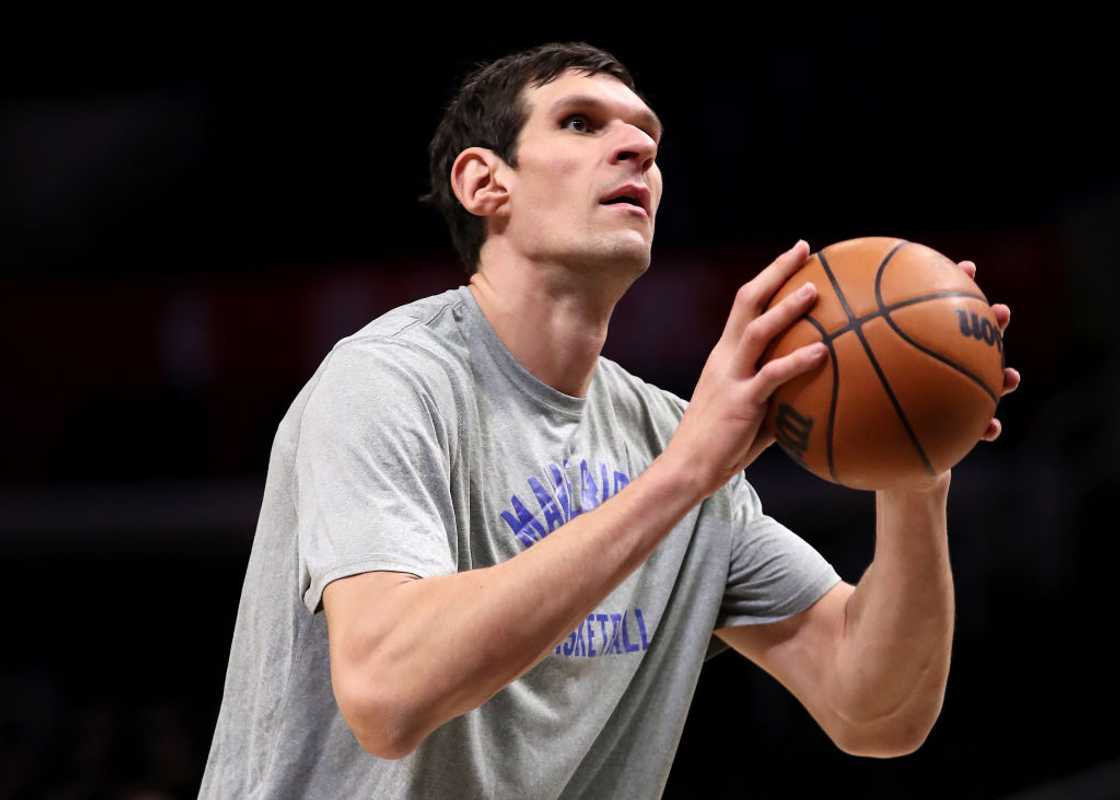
(576, 81)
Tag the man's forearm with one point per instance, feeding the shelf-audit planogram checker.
(893, 662)
(444, 645)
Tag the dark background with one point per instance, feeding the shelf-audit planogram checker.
(185, 231)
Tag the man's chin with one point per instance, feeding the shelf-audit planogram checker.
(617, 264)
(627, 256)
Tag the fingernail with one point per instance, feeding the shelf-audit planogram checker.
(806, 290)
(799, 243)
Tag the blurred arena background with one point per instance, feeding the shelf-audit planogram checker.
(183, 237)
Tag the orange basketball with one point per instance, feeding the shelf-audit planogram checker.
(914, 370)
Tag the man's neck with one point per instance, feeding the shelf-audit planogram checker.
(554, 325)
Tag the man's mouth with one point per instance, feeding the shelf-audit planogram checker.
(624, 207)
(631, 194)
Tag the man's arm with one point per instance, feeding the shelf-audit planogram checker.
(409, 654)
(870, 662)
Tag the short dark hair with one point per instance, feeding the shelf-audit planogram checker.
(489, 111)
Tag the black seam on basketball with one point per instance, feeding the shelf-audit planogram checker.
(857, 326)
(879, 370)
(894, 400)
(835, 394)
(925, 298)
(946, 361)
(882, 377)
(885, 311)
(836, 288)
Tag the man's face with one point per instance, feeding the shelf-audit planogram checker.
(585, 138)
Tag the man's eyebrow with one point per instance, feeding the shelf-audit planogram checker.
(650, 119)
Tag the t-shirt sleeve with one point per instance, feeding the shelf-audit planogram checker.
(373, 470)
(773, 572)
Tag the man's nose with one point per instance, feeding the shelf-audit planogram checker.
(635, 144)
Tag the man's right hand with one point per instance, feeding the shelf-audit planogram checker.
(720, 433)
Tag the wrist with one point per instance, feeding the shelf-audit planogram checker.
(682, 477)
(912, 519)
(935, 488)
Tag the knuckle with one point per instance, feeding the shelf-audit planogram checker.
(746, 296)
(769, 372)
(799, 300)
(753, 334)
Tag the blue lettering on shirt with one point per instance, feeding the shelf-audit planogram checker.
(578, 505)
(557, 510)
(625, 632)
(616, 646)
(561, 491)
(641, 628)
(552, 514)
(603, 620)
(588, 491)
(565, 505)
(630, 648)
(523, 524)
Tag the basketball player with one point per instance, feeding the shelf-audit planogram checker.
(490, 563)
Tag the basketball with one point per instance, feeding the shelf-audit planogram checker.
(914, 369)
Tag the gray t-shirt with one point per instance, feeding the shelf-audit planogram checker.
(421, 445)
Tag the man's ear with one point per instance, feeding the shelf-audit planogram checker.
(478, 178)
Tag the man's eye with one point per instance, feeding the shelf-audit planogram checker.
(580, 117)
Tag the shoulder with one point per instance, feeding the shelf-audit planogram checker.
(408, 365)
(416, 347)
(432, 315)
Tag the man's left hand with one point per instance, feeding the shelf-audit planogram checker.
(1011, 377)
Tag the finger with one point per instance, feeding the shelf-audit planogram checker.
(969, 268)
(753, 296)
(760, 331)
(784, 369)
(1003, 316)
(1011, 379)
(995, 428)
